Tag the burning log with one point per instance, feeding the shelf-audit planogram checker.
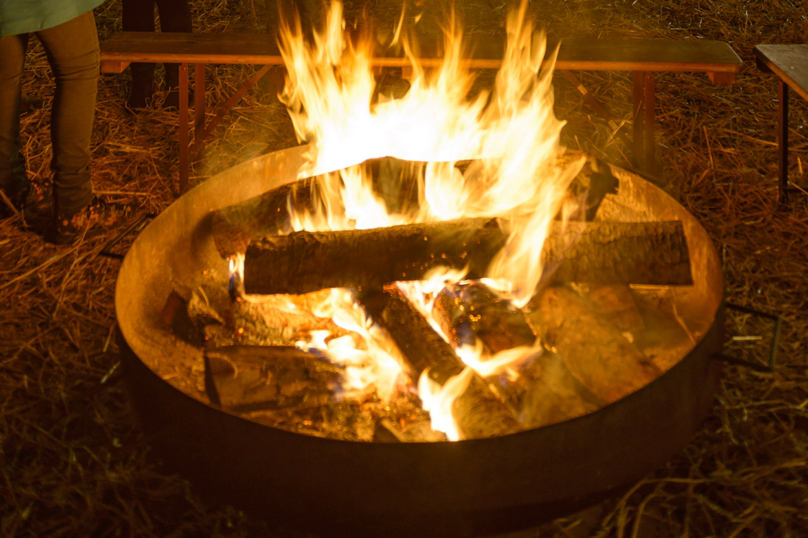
(249, 378)
(215, 320)
(389, 431)
(594, 350)
(479, 413)
(616, 303)
(602, 252)
(469, 311)
(234, 226)
(544, 391)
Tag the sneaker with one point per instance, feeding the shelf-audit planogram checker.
(18, 198)
(97, 217)
(140, 94)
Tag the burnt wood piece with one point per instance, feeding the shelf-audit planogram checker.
(601, 252)
(595, 351)
(268, 214)
(395, 180)
(478, 412)
(250, 378)
(545, 391)
(233, 227)
(616, 303)
(470, 310)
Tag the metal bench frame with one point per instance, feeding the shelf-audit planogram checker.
(642, 57)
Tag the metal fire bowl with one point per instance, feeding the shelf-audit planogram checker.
(413, 489)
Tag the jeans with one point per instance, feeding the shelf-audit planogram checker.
(73, 55)
(138, 16)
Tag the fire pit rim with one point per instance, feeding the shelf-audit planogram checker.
(157, 400)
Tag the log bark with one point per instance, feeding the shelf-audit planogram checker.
(250, 378)
(599, 252)
(616, 303)
(468, 311)
(545, 391)
(595, 351)
(234, 226)
(478, 411)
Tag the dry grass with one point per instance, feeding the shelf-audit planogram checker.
(73, 460)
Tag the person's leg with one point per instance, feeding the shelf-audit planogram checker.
(13, 178)
(138, 16)
(72, 51)
(175, 16)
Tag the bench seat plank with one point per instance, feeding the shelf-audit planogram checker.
(647, 55)
(642, 56)
(788, 62)
(574, 54)
(176, 47)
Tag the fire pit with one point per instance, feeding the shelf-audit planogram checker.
(508, 472)
(436, 489)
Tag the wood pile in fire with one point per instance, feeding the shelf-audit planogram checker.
(600, 325)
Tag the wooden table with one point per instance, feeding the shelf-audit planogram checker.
(790, 64)
(641, 56)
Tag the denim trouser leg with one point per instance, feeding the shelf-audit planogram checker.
(13, 179)
(73, 54)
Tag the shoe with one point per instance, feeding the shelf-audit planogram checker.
(141, 94)
(18, 196)
(97, 217)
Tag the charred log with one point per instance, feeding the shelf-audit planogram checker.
(616, 303)
(601, 252)
(468, 311)
(546, 393)
(249, 378)
(595, 351)
(479, 413)
(234, 226)
(543, 391)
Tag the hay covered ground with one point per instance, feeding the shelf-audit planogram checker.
(73, 460)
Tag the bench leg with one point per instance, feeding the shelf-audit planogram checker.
(643, 117)
(638, 117)
(183, 127)
(199, 99)
(203, 133)
(782, 142)
(650, 142)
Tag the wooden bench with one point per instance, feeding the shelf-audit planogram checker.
(642, 57)
(790, 64)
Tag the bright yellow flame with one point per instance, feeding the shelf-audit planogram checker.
(439, 401)
(510, 133)
(373, 360)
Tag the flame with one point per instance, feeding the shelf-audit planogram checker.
(372, 360)
(439, 401)
(510, 133)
